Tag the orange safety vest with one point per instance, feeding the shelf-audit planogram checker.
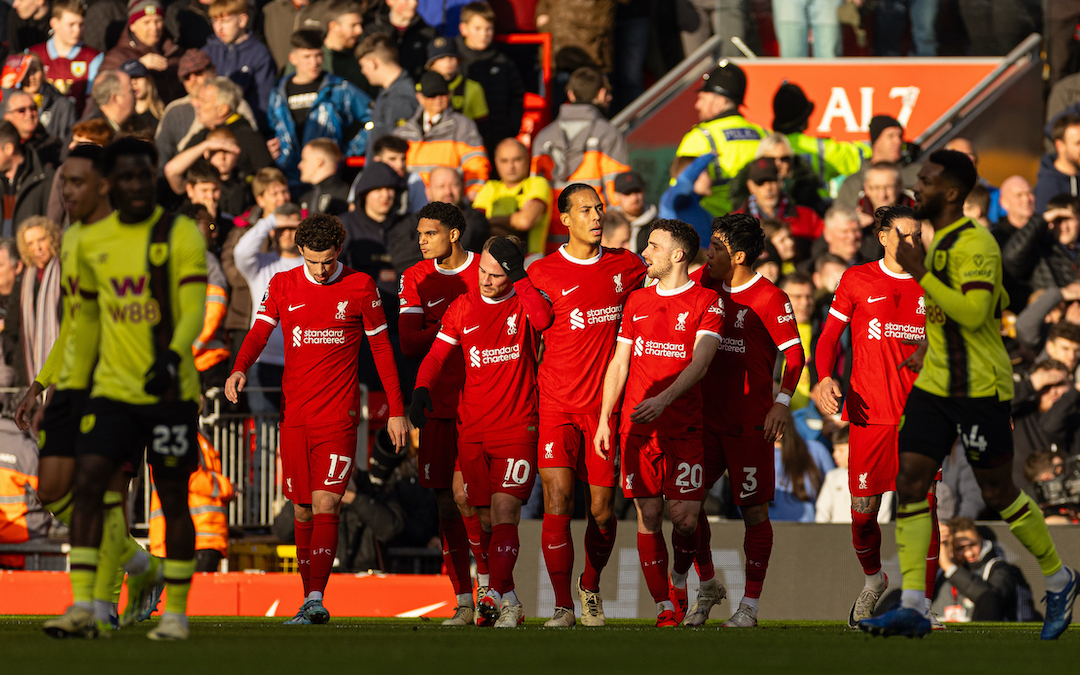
(208, 493)
(209, 348)
(452, 142)
(14, 505)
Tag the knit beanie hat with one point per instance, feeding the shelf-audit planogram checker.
(137, 9)
(879, 123)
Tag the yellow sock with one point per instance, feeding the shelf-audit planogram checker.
(177, 583)
(61, 509)
(114, 533)
(1026, 522)
(913, 532)
(84, 561)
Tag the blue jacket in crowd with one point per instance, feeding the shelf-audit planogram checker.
(681, 203)
(248, 64)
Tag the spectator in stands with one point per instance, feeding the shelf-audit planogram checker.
(466, 95)
(344, 26)
(392, 151)
(190, 22)
(977, 206)
(221, 149)
(148, 105)
(95, 132)
(28, 25)
(38, 240)
(800, 467)
(211, 348)
(114, 98)
(797, 179)
(977, 583)
(828, 268)
(21, 111)
(887, 145)
(60, 53)
(585, 24)
(105, 20)
(481, 61)
(1045, 251)
(11, 271)
(616, 234)
(239, 56)
(834, 499)
(891, 17)
(397, 100)
(882, 186)
(219, 100)
(767, 200)
(410, 33)
(1047, 308)
(630, 206)
(1063, 345)
(559, 149)
(28, 180)
(682, 201)
(780, 246)
(964, 145)
(1044, 413)
(698, 18)
(1018, 203)
(841, 236)
(793, 18)
(517, 203)
(440, 136)
(447, 187)
(202, 185)
(1059, 173)
(55, 111)
(799, 287)
(145, 40)
(312, 103)
(319, 162)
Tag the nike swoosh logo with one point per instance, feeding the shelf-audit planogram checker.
(744, 495)
(555, 548)
(333, 482)
(639, 318)
(873, 300)
(685, 490)
(292, 307)
(469, 330)
(435, 302)
(510, 485)
(568, 291)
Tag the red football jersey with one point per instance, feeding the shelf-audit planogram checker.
(429, 289)
(587, 297)
(758, 324)
(69, 73)
(498, 401)
(323, 326)
(662, 327)
(884, 309)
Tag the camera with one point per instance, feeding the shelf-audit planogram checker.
(1063, 489)
(384, 458)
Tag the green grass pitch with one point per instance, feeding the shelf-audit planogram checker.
(392, 646)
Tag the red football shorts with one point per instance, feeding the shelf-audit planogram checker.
(437, 454)
(669, 467)
(873, 458)
(317, 457)
(508, 467)
(749, 461)
(566, 441)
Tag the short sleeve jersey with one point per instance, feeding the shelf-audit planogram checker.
(114, 269)
(661, 327)
(587, 298)
(428, 289)
(884, 309)
(323, 326)
(498, 402)
(495, 199)
(758, 323)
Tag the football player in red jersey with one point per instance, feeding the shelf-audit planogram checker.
(884, 306)
(742, 418)
(669, 334)
(496, 327)
(427, 289)
(325, 309)
(588, 286)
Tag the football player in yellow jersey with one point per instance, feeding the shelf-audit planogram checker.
(142, 287)
(962, 391)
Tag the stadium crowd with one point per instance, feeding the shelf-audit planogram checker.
(254, 110)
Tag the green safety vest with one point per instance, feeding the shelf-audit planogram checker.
(734, 141)
(829, 158)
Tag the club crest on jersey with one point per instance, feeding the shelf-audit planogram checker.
(862, 481)
(922, 305)
(549, 450)
(680, 321)
(629, 482)
(940, 258)
(340, 316)
(159, 253)
(78, 69)
(511, 324)
(740, 317)
(618, 282)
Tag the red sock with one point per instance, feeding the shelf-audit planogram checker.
(324, 537)
(866, 538)
(652, 550)
(558, 556)
(703, 560)
(455, 554)
(503, 557)
(757, 544)
(683, 548)
(478, 542)
(935, 547)
(303, 552)
(598, 545)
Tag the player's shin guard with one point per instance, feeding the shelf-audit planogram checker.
(1026, 522)
(177, 584)
(479, 542)
(652, 551)
(684, 549)
(84, 562)
(303, 553)
(866, 538)
(61, 508)
(703, 562)
(598, 546)
(935, 547)
(913, 536)
(324, 539)
(503, 555)
(455, 543)
(757, 544)
(558, 556)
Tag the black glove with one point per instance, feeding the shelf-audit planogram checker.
(509, 257)
(421, 401)
(163, 372)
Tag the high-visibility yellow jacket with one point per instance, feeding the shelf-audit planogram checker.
(734, 141)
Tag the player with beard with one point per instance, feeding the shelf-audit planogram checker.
(588, 286)
(964, 389)
(669, 334)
